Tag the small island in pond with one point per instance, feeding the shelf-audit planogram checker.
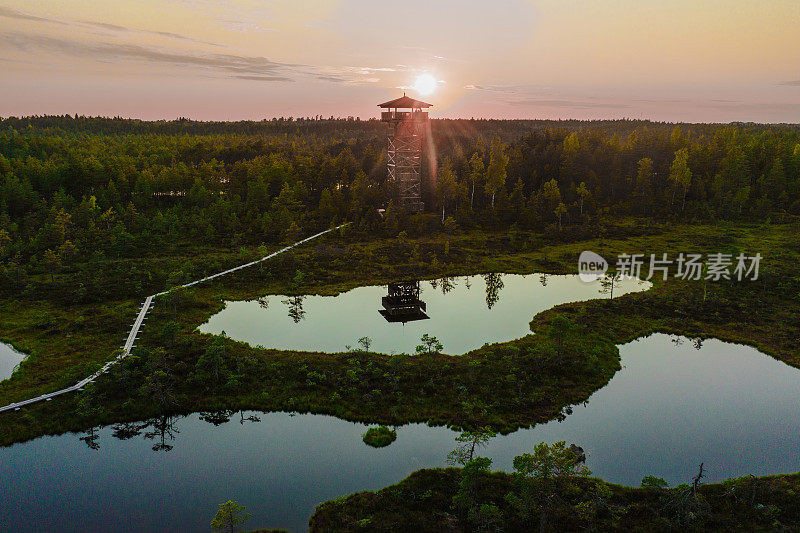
(379, 436)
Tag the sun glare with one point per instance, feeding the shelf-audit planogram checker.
(425, 84)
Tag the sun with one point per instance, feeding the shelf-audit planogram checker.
(425, 84)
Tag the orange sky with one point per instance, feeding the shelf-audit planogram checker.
(678, 60)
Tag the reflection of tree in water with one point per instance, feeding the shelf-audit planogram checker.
(494, 283)
(295, 304)
(216, 418)
(91, 438)
(127, 430)
(164, 429)
(89, 406)
(607, 284)
(263, 302)
(447, 284)
(251, 418)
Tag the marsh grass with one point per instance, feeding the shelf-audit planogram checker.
(506, 385)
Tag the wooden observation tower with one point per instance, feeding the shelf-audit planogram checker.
(404, 158)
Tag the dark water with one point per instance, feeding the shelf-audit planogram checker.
(9, 359)
(464, 312)
(670, 407)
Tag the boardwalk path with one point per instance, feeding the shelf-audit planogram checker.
(140, 318)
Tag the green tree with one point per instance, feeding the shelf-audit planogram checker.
(644, 183)
(468, 442)
(560, 210)
(5, 240)
(229, 516)
(680, 175)
(293, 232)
(365, 343)
(450, 226)
(654, 483)
(159, 382)
(211, 366)
(560, 329)
(476, 173)
(551, 195)
(52, 262)
(496, 171)
(583, 193)
(541, 479)
(430, 344)
(571, 144)
(446, 189)
(466, 499)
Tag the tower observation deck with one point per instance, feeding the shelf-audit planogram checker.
(404, 156)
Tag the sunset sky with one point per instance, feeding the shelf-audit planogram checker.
(678, 60)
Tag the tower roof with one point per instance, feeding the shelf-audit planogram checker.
(404, 102)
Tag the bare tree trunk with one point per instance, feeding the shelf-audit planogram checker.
(472, 196)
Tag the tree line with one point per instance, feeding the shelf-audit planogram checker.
(84, 189)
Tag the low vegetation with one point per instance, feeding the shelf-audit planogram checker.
(550, 491)
(379, 436)
(505, 386)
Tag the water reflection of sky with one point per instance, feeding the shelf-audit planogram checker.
(9, 359)
(669, 408)
(465, 313)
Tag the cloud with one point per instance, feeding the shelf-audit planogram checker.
(251, 65)
(253, 68)
(125, 29)
(773, 107)
(104, 25)
(512, 89)
(261, 78)
(243, 67)
(13, 13)
(353, 75)
(570, 104)
(539, 96)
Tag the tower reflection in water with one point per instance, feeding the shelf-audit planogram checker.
(402, 303)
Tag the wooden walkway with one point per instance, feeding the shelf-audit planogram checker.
(140, 318)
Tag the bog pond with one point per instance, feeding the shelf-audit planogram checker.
(675, 403)
(9, 359)
(463, 313)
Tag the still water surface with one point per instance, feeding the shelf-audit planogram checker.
(9, 359)
(673, 405)
(465, 313)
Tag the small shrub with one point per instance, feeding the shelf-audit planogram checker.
(380, 436)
